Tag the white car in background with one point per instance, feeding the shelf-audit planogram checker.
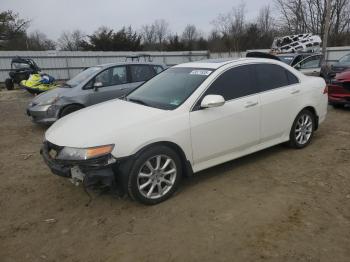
(188, 118)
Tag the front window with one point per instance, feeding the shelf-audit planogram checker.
(170, 88)
(83, 76)
(112, 76)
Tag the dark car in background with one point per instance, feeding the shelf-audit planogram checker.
(330, 71)
(93, 85)
(339, 90)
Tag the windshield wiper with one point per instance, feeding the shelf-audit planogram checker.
(139, 101)
(66, 85)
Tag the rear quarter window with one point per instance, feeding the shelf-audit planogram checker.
(292, 79)
(271, 76)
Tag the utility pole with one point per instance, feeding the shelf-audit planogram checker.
(326, 28)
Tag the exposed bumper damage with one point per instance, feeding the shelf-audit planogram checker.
(99, 173)
(46, 115)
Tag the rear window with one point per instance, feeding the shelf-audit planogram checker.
(292, 79)
(270, 76)
(141, 73)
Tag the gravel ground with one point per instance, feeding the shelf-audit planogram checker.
(276, 205)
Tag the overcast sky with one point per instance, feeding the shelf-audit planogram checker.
(54, 16)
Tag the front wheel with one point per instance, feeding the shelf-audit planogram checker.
(302, 129)
(9, 84)
(70, 109)
(155, 175)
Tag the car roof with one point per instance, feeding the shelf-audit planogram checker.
(128, 63)
(296, 54)
(217, 63)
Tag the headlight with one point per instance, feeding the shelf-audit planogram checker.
(71, 153)
(50, 101)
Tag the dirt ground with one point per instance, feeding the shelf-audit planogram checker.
(276, 205)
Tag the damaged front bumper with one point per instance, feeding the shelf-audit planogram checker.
(100, 171)
(45, 115)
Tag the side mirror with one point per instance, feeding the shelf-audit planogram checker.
(297, 66)
(210, 101)
(97, 85)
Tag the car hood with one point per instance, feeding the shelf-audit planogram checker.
(101, 124)
(43, 97)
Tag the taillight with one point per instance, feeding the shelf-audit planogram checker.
(325, 91)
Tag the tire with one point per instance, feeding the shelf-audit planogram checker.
(69, 109)
(150, 182)
(302, 130)
(9, 84)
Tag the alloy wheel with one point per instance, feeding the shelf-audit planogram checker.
(156, 176)
(303, 129)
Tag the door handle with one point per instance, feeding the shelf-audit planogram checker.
(295, 91)
(251, 104)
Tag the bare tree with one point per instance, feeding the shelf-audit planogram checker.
(161, 28)
(309, 16)
(71, 41)
(190, 35)
(265, 20)
(148, 34)
(231, 26)
(38, 41)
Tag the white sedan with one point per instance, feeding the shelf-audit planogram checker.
(188, 118)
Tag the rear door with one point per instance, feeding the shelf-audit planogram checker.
(279, 94)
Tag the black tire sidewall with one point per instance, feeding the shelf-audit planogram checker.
(9, 84)
(293, 142)
(69, 109)
(141, 158)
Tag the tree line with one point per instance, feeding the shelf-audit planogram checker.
(232, 31)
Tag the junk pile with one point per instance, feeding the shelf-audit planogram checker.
(297, 44)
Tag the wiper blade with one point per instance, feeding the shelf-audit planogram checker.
(67, 85)
(139, 101)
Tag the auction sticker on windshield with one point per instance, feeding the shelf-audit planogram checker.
(201, 72)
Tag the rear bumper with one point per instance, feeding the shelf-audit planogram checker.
(43, 114)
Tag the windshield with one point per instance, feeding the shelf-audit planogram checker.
(170, 88)
(82, 76)
(286, 59)
(345, 60)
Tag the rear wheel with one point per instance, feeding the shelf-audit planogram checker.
(70, 109)
(154, 176)
(9, 84)
(302, 129)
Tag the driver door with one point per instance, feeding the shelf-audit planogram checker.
(109, 84)
(222, 133)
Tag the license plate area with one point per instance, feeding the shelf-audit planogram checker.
(77, 175)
